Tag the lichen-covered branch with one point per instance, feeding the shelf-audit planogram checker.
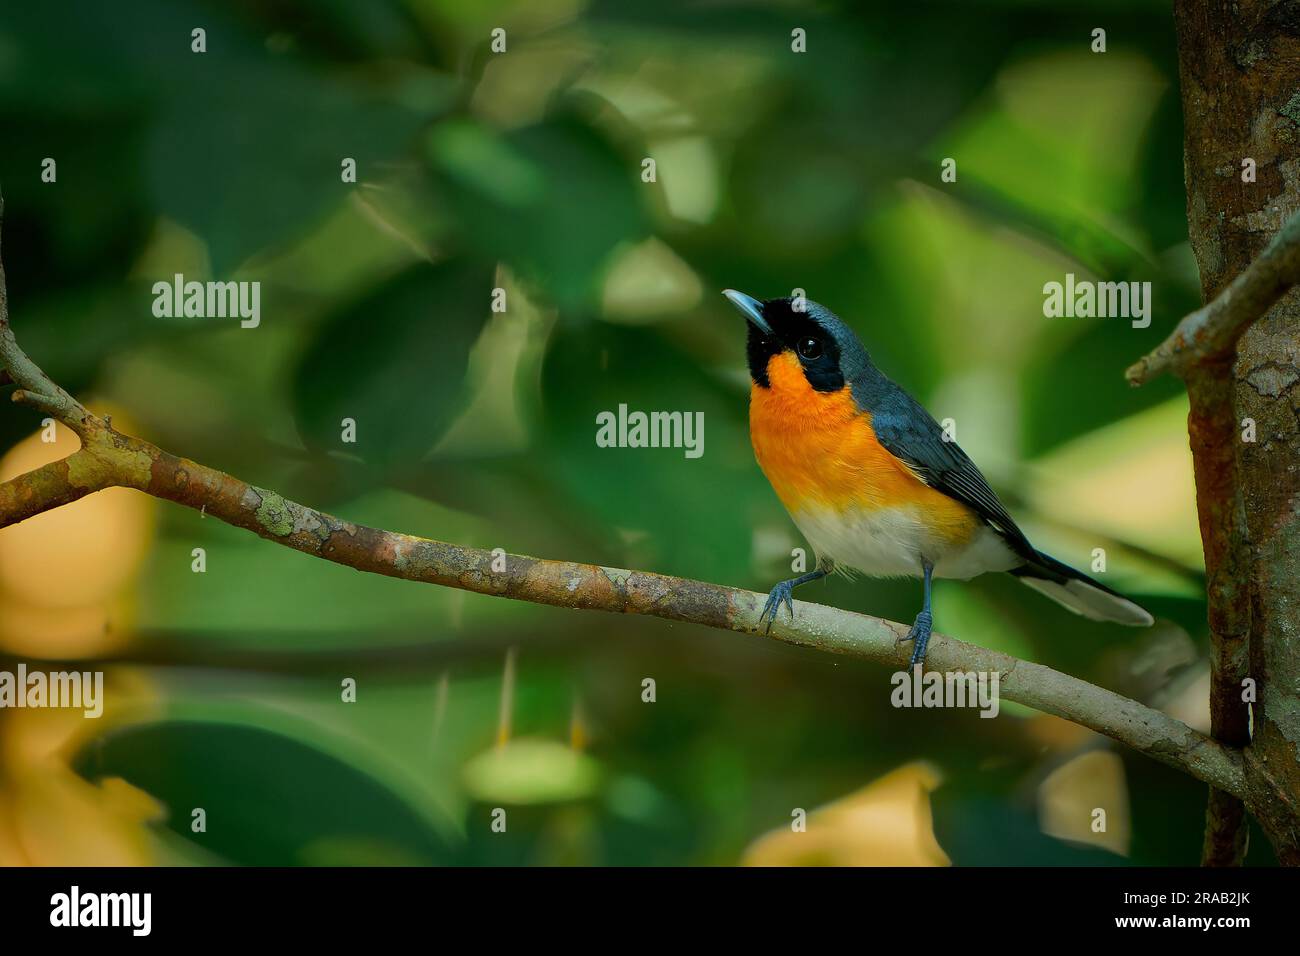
(54, 485)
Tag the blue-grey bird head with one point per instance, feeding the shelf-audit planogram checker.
(827, 349)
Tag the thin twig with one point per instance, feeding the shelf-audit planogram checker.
(1212, 331)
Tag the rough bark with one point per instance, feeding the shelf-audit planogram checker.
(1240, 73)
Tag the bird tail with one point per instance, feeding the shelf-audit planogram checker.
(1079, 593)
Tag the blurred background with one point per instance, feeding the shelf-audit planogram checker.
(522, 170)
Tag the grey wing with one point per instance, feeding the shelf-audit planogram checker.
(910, 433)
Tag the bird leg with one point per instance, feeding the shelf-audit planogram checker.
(920, 631)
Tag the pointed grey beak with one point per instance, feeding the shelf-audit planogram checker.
(750, 308)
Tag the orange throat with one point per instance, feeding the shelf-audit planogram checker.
(819, 451)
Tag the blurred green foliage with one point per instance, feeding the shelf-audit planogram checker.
(522, 170)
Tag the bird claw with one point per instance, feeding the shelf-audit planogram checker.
(920, 633)
(782, 593)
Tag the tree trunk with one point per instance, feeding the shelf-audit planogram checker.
(1240, 69)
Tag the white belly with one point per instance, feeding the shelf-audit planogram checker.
(891, 542)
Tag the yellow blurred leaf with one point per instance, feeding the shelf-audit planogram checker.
(65, 574)
(61, 820)
(1086, 801)
(886, 823)
(31, 737)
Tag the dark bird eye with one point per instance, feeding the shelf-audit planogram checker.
(810, 348)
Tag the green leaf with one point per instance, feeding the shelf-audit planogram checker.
(553, 200)
(395, 363)
(664, 504)
(254, 160)
(293, 813)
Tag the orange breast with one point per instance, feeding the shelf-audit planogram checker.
(819, 451)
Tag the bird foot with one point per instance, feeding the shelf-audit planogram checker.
(781, 594)
(920, 633)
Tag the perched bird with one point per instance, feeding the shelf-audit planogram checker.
(870, 478)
